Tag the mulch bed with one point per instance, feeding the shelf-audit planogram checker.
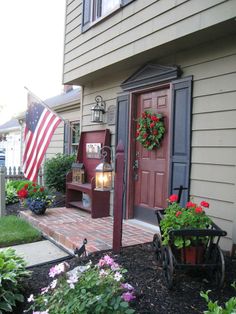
(145, 275)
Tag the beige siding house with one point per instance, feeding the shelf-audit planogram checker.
(177, 54)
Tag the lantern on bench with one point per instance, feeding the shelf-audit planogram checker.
(77, 173)
(103, 172)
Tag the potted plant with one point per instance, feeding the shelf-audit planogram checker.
(190, 217)
(35, 197)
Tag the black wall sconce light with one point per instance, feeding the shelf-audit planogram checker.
(98, 110)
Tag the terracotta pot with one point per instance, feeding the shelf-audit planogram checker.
(193, 254)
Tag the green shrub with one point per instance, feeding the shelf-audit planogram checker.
(86, 290)
(55, 170)
(215, 308)
(12, 272)
(11, 195)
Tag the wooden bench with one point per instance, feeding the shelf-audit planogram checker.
(100, 200)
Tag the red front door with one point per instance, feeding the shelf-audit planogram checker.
(152, 167)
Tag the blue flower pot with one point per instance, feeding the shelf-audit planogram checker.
(37, 206)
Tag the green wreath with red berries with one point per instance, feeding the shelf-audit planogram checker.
(150, 130)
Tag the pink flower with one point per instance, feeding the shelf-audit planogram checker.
(115, 266)
(57, 270)
(101, 262)
(173, 198)
(128, 296)
(205, 204)
(127, 286)
(108, 260)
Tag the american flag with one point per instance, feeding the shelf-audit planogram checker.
(40, 124)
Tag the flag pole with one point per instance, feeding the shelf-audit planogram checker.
(46, 106)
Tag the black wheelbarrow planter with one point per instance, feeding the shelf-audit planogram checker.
(210, 257)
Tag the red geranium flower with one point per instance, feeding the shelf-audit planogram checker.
(26, 186)
(41, 189)
(198, 210)
(23, 193)
(143, 115)
(178, 213)
(204, 204)
(173, 198)
(138, 126)
(148, 143)
(137, 133)
(152, 125)
(191, 205)
(34, 190)
(34, 184)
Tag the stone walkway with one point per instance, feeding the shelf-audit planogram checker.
(69, 227)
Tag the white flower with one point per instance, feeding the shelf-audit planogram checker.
(117, 276)
(72, 280)
(53, 284)
(103, 273)
(30, 298)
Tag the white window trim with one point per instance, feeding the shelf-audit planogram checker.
(97, 20)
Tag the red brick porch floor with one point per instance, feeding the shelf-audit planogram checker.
(69, 227)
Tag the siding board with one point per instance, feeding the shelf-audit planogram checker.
(214, 155)
(213, 103)
(215, 120)
(218, 191)
(214, 138)
(213, 173)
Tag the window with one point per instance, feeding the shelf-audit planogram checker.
(94, 10)
(75, 135)
(71, 137)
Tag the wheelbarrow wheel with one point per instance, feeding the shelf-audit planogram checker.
(218, 272)
(168, 267)
(157, 245)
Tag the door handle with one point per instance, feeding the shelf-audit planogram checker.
(135, 165)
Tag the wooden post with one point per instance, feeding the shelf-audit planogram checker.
(118, 198)
(2, 191)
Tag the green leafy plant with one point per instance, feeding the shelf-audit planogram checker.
(190, 217)
(11, 193)
(12, 273)
(86, 290)
(214, 308)
(150, 130)
(55, 170)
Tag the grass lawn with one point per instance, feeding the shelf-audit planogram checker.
(14, 230)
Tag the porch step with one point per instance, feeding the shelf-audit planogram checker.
(70, 226)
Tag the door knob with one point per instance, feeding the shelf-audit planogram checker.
(135, 165)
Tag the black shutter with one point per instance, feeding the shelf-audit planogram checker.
(86, 14)
(122, 119)
(66, 148)
(181, 136)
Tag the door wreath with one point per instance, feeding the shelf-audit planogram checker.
(150, 130)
